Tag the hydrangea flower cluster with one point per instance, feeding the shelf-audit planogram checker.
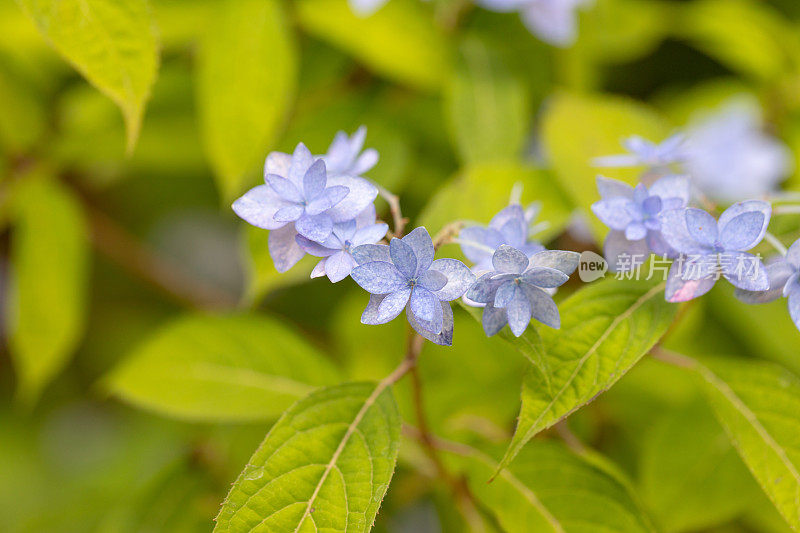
(633, 214)
(510, 226)
(516, 289)
(301, 198)
(553, 21)
(710, 247)
(726, 154)
(322, 206)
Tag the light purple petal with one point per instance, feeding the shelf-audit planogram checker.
(366, 253)
(778, 274)
(338, 266)
(658, 245)
(513, 212)
(697, 266)
(315, 227)
(392, 305)
(553, 22)
(301, 161)
(610, 188)
(547, 278)
(744, 271)
(680, 290)
(504, 294)
(493, 320)
(459, 278)
(744, 231)
(283, 248)
(613, 212)
(432, 280)
(314, 179)
(370, 314)
(794, 307)
(672, 187)
(319, 269)
(284, 188)
(793, 255)
(792, 284)
(562, 260)
(745, 207)
(483, 290)
(675, 231)
(624, 255)
(344, 231)
(420, 241)
(258, 207)
(362, 193)
(370, 234)
(635, 231)
(378, 277)
(518, 312)
(509, 260)
(617, 161)
(427, 310)
(277, 163)
(702, 226)
(445, 336)
(366, 217)
(403, 258)
(289, 213)
(478, 235)
(314, 248)
(329, 198)
(515, 232)
(367, 160)
(543, 308)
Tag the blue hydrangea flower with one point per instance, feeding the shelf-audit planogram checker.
(642, 152)
(730, 158)
(516, 290)
(633, 216)
(298, 197)
(336, 251)
(345, 158)
(553, 21)
(709, 248)
(509, 226)
(404, 275)
(784, 280)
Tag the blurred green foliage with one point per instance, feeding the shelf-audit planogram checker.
(147, 343)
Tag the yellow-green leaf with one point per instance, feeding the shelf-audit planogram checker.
(238, 367)
(400, 40)
(324, 466)
(47, 304)
(758, 404)
(112, 43)
(606, 328)
(247, 70)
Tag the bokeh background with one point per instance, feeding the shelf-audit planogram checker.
(109, 239)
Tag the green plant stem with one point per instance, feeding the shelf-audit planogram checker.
(775, 242)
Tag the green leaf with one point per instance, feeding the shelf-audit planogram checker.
(325, 465)
(691, 477)
(247, 70)
(549, 488)
(399, 41)
(745, 35)
(606, 328)
(758, 404)
(111, 42)
(480, 192)
(578, 128)
(488, 110)
(50, 260)
(238, 367)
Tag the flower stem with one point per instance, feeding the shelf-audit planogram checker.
(448, 234)
(398, 222)
(786, 210)
(775, 242)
